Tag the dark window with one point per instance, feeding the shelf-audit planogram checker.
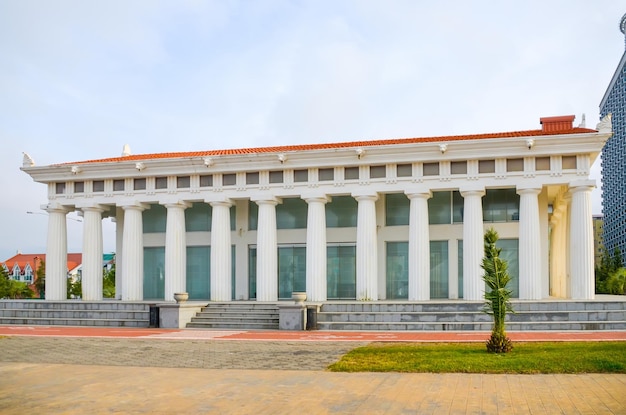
(569, 162)
(118, 185)
(515, 165)
(206, 181)
(542, 163)
(183, 182)
(276, 176)
(431, 169)
(351, 173)
(252, 178)
(404, 170)
(98, 186)
(300, 176)
(486, 166)
(377, 172)
(160, 183)
(458, 167)
(140, 184)
(326, 174)
(79, 187)
(229, 179)
(60, 188)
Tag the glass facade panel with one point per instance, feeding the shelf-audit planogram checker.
(457, 207)
(341, 212)
(291, 270)
(154, 219)
(199, 272)
(438, 269)
(252, 272)
(341, 272)
(460, 266)
(198, 217)
(500, 205)
(291, 214)
(440, 208)
(154, 273)
(510, 253)
(397, 209)
(397, 270)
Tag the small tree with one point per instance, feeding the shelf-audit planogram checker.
(498, 297)
(40, 279)
(108, 283)
(10, 288)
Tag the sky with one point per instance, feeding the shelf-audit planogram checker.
(79, 79)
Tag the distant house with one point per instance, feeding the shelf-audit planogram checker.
(23, 267)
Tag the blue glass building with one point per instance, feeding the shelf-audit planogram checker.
(614, 159)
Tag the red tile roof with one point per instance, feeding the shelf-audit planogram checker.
(73, 260)
(566, 128)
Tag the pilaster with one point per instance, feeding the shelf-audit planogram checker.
(419, 245)
(366, 248)
(473, 243)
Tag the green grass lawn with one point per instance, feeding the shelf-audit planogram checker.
(536, 357)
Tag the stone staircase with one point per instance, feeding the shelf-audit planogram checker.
(240, 315)
(75, 313)
(467, 316)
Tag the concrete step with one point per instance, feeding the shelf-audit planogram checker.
(472, 326)
(237, 315)
(44, 321)
(234, 326)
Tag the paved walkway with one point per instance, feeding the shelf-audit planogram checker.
(69, 370)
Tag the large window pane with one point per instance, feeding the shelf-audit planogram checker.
(199, 272)
(341, 212)
(438, 269)
(510, 254)
(397, 270)
(291, 271)
(457, 207)
(252, 272)
(154, 274)
(291, 214)
(500, 205)
(198, 218)
(397, 209)
(341, 272)
(440, 208)
(154, 219)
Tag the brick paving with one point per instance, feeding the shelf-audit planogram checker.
(187, 371)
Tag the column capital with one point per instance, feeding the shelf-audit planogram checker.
(528, 189)
(418, 192)
(134, 206)
(92, 208)
(266, 200)
(315, 197)
(470, 190)
(579, 185)
(365, 196)
(55, 207)
(224, 201)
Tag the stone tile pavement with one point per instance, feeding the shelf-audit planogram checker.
(78, 375)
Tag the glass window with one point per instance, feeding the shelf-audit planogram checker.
(341, 272)
(542, 163)
(377, 172)
(252, 272)
(206, 180)
(341, 212)
(79, 187)
(438, 269)
(139, 184)
(291, 214)
(457, 207)
(404, 170)
(440, 208)
(154, 219)
(510, 254)
(199, 272)
(118, 185)
(199, 216)
(252, 178)
(326, 174)
(397, 209)
(291, 270)
(397, 270)
(458, 167)
(514, 165)
(300, 176)
(60, 188)
(98, 185)
(351, 173)
(431, 169)
(154, 273)
(569, 162)
(486, 166)
(183, 182)
(500, 205)
(160, 183)
(276, 176)
(229, 179)
(253, 215)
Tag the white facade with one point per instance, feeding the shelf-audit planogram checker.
(388, 219)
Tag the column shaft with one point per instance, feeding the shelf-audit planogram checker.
(316, 289)
(529, 245)
(92, 254)
(56, 256)
(132, 267)
(419, 247)
(221, 263)
(267, 252)
(581, 241)
(175, 251)
(366, 249)
(473, 244)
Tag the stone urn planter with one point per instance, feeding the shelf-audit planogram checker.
(298, 297)
(181, 297)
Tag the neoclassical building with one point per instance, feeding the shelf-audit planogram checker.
(399, 219)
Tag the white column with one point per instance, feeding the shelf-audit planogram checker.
(316, 289)
(366, 248)
(419, 245)
(56, 255)
(119, 251)
(92, 270)
(267, 252)
(529, 244)
(473, 243)
(132, 267)
(175, 250)
(581, 241)
(221, 263)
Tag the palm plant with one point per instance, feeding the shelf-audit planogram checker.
(498, 297)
